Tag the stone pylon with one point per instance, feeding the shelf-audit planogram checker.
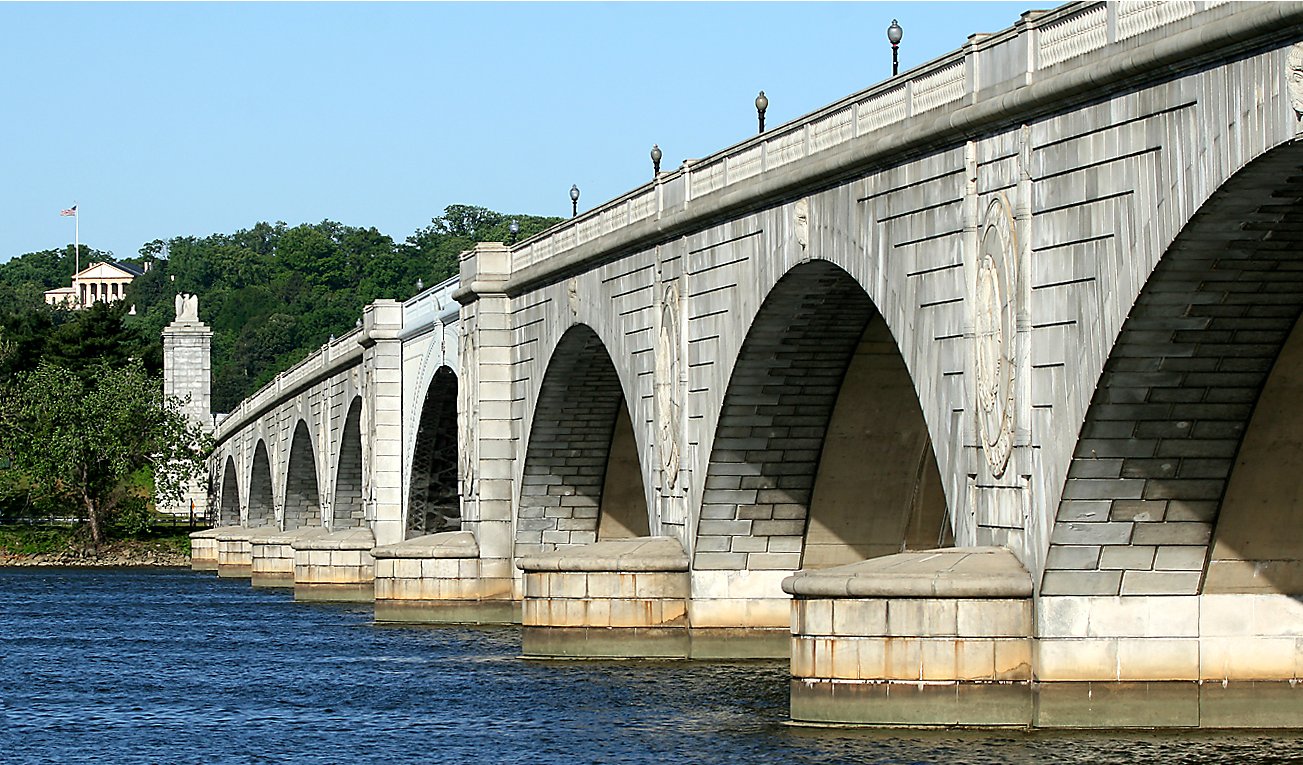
(187, 372)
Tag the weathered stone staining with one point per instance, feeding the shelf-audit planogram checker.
(272, 558)
(975, 393)
(938, 637)
(335, 567)
(612, 599)
(442, 579)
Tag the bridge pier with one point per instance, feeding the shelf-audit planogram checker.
(272, 557)
(203, 548)
(616, 599)
(235, 552)
(440, 579)
(935, 638)
(335, 567)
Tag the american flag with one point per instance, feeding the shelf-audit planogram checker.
(71, 211)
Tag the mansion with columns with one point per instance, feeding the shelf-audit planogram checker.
(97, 283)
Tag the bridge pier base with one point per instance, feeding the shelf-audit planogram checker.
(203, 548)
(335, 567)
(936, 638)
(615, 599)
(440, 579)
(234, 552)
(272, 561)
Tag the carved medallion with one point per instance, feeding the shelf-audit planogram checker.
(1294, 76)
(994, 336)
(667, 398)
(467, 411)
(801, 214)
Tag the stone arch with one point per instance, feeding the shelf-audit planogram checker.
(582, 476)
(433, 503)
(348, 510)
(821, 454)
(1193, 424)
(262, 511)
(229, 512)
(302, 495)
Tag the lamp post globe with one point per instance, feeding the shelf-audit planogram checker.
(762, 103)
(656, 160)
(894, 35)
(574, 200)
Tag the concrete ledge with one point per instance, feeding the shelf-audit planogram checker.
(447, 544)
(348, 539)
(477, 612)
(362, 592)
(1063, 706)
(911, 705)
(212, 533)
(956, 572)
(604, 643)
(638, 554)
(273, 536)
(271, 581)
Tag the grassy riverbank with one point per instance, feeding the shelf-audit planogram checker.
(161, 545)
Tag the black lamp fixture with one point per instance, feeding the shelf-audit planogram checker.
(420, 284)
(656, 160)
(574, 200)
(762, 103)
(514, 229)
(894, 33)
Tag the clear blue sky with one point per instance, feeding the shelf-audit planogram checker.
(173, 119)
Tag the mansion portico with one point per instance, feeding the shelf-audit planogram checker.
(97, 283)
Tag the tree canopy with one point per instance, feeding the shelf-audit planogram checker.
(272, 292)
(76, 439)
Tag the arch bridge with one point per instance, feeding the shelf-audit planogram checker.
(980, 385)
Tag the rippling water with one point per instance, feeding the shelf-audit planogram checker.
(169, 666)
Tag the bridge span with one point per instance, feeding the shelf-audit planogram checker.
(976, 393)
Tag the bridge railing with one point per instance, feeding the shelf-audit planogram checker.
(434, 305)
(339, 352)
(988, 64)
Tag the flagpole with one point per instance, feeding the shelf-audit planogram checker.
(76, 228)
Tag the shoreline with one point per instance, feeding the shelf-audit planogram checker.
(118, 554)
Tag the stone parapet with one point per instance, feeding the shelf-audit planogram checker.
(942, 637)
(616, 598)
(335, 567)
(440, 579)
(272, 563)
(234, 551)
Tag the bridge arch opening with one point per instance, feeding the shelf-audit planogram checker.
(302, 497)
(433, 503)
(229, 507)
(262, 511)
(1188, 471)
(348, 510)
(582, 477)
(821, 455)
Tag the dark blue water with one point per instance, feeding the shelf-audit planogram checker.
(169, 666)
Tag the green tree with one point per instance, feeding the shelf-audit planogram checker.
(79, 439)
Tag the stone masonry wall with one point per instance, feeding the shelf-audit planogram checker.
(1167, 419)
(782, 392)
(570, 442)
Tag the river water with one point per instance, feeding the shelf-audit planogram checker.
(170, 666)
